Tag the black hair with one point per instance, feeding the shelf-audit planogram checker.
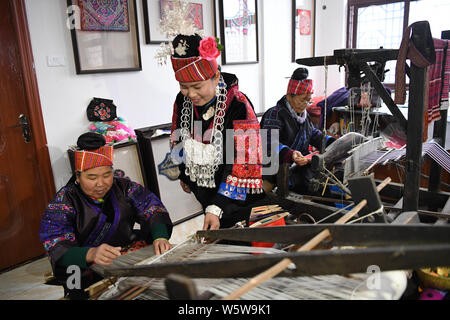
(300, 74)
(91, 141)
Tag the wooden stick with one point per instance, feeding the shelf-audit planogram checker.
(265, 210)
(283, 264)
(136, 293)
(383, 184)
(270, 219)
(128, 292)
(351, 213)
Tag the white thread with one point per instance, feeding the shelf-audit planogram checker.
(378, 211)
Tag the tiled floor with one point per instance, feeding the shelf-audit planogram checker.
(27, 282)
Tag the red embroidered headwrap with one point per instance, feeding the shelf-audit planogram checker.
(193, 69)
(88, 159)
(299, 84)
(298, 87)
(194, 58)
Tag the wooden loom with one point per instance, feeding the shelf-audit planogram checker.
(429, 248)
(425, 251)
(407, 197)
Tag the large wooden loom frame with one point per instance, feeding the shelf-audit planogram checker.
(358, 59)
(391, 246)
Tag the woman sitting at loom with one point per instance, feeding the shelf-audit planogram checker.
(91, 219)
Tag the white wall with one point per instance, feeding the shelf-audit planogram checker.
(331, 34)
(145, 98)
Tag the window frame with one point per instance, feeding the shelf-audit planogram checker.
(352, 16)
(352, 19)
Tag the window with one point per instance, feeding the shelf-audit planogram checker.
(380, 23)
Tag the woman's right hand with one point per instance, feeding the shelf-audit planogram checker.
(103, 254)
(185, 187)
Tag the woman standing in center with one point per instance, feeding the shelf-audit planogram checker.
(224, 176)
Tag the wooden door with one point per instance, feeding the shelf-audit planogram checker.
(23, 169)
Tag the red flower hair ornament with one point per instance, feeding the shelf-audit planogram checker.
(209, 49)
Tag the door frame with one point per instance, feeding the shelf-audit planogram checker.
(32, 98)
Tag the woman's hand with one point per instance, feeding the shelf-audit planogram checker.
(299, 159)
(161, 245)
(103, 254)
(211, 221)
(185, 187)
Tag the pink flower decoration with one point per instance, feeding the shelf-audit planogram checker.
(208, 49)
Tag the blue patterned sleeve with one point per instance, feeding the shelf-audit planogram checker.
(56, 231)
(271, 122)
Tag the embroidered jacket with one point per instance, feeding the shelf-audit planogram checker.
(238, 181)
(292, 135)
(72, 219)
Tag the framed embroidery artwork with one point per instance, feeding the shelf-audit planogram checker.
(303, 28)
(239, 31)
(200, 11)
(105, 35)
(104, 16)
(304, 22)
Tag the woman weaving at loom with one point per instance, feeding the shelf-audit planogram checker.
(296, 132)
(208, 106)
(91, 219)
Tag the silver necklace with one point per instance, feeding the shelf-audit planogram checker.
(202, 160)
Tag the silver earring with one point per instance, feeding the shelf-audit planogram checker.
(218, 89)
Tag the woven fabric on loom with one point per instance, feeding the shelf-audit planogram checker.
(437, 84)
(446, 82)
(327, 287)
(431, 148)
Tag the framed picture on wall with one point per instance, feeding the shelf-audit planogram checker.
(127, 158)
(239, 31)
(105, 35)
(303, 28)
(201, 11)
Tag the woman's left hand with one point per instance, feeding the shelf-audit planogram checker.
(161, 245)
(299, 159)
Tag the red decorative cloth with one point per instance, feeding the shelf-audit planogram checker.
(435, 81)
(85, 160)
(298, 87)
(247, 167)
(408, 50)
(314, 110)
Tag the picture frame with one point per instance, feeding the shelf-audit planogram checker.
(182, 206)
(128, 159)
(303, 29)
(104, 42)
(202, 11)
(239, 31)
